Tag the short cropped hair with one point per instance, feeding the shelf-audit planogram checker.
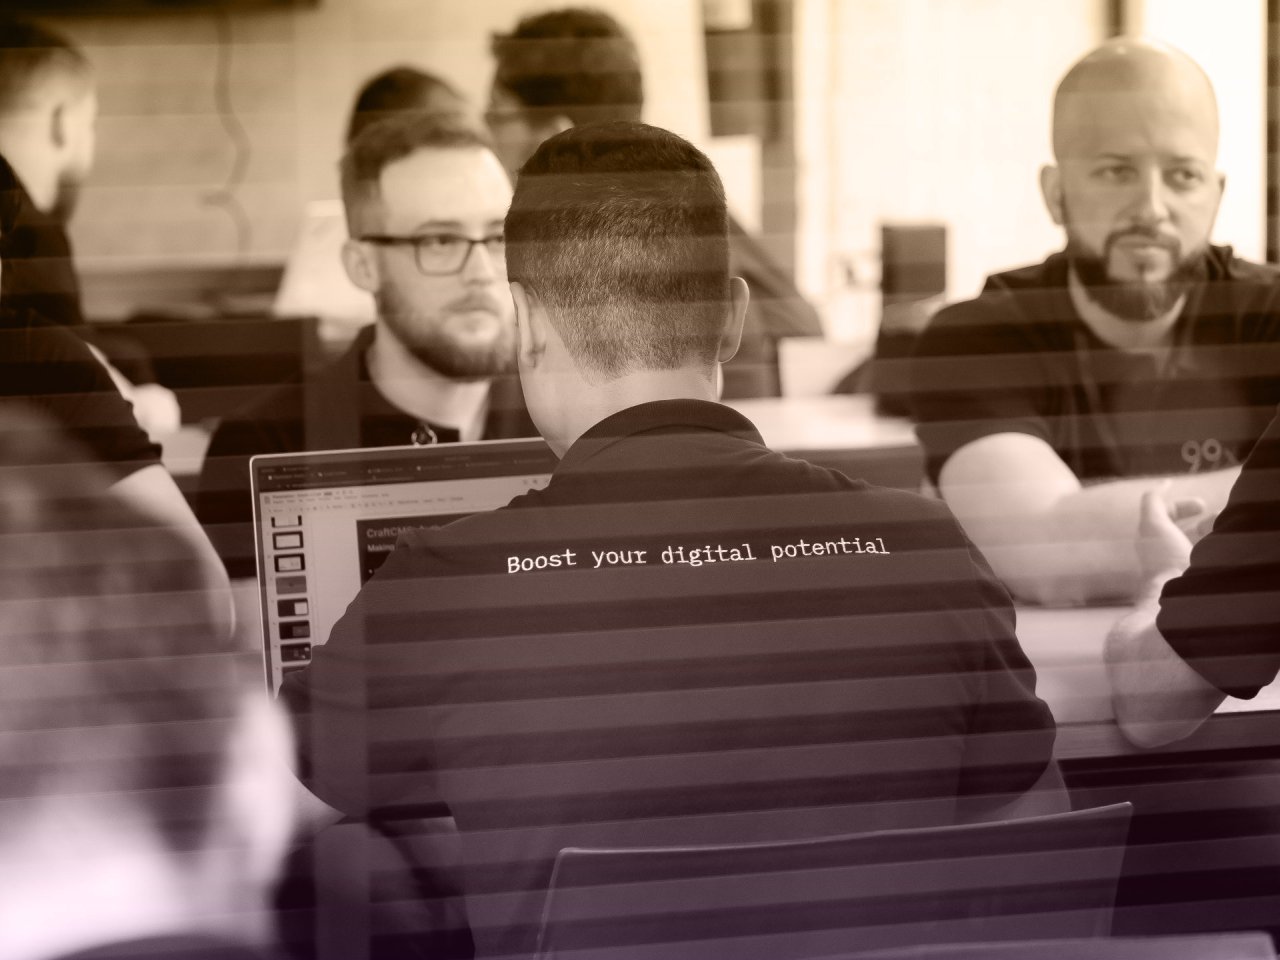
(31, 53)
(118, 680)
(576, 62)
(393, 138)
(621, 231)
(395, 91)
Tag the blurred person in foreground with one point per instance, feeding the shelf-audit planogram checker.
(1141, 353)
(579, 65)
(146, 795)
(1207, 625)
(424, 197)
(685, 637)
(48, 116)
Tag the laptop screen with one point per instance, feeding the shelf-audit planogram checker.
(325, 521)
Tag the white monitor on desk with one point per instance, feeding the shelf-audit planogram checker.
(315, 284)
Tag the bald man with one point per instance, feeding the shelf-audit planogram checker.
(1139, 354)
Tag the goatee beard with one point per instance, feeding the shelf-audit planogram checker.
(436, 350)
(1132, 300)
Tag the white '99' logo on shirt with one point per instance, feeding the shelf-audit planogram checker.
(1207, 454)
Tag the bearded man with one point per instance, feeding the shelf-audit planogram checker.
(425, 199)
(1139, 358)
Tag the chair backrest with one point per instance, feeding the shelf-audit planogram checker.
(1039, 877)
(1216, 946)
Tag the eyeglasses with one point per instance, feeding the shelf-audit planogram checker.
(441, 254)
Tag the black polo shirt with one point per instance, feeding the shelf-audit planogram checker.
(1223, 614)
(338, 409)
(39, 275)
(50, 370)
(684, 638)
(1018, 358)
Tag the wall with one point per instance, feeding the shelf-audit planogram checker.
(1231, 46)
(926, 110)
(165, 153)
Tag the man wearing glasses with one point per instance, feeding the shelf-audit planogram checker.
(425, 199)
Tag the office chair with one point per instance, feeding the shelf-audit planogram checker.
(1049, 876)
(1219, 946)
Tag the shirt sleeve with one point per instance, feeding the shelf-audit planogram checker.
(976, 372)
(53, 371)
(224, 501)
(1011, 730)
(38, 274)
(1222, 616)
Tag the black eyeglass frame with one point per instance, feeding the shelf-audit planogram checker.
(391, 240)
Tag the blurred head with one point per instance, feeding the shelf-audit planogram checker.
(1135, 137)
(618, 237)
(558, 69)
(401, 90)
(418, 191)
(125, 722)
(48, 112)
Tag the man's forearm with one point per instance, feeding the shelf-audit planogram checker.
(1080, 547)
(153, 490)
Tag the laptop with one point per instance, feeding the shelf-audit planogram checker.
(325, 521)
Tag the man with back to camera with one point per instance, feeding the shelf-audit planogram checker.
(628, 694)
(579, 65)
(425, 198)
(1049, 405)
(146, 794)
(48, 114)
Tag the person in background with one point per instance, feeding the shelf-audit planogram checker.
(1051, 403)
(46, 367)
(425, 198)
(1208, 622)
(547, 675)
(48, 114)
(400, 90)
(579, 65)
(146, 793)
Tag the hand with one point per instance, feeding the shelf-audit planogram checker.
(154, 407)
(1163, 546)
(156, 410)
(1193, 518)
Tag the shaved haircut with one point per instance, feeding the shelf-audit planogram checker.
(621, 230)
(1126, 65)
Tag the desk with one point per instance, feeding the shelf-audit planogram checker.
(844, 429)
(1065, 646)
(842, 432)
(1204, 848)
